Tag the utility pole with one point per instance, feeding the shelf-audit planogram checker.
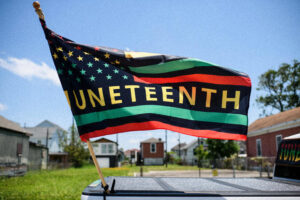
(199, 159)
(179, 146)
(117, 139)
(166, 155)
(47, 136)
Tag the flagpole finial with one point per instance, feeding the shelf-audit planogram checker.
(38, 10)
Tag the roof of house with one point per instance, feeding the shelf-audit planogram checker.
(104, 140)
(176, 147)
(152, 140)
(190, 144)
(10, 125)
(293, 137)
(128, 152)
(286, 116)
(40, 130)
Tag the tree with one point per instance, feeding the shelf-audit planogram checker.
(72, 144)
(221, 148)
(282, 87)
(201, 154)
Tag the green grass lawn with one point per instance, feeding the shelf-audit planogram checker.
(65, 183)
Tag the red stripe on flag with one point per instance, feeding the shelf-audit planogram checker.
(203, 78)
(151, 125)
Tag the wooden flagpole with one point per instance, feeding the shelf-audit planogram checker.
(104, 185)
(39, 12)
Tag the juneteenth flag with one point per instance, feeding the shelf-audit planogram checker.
(112, 91)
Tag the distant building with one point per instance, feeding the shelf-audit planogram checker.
(132, 155)
(106, 152)
(177, 149)
(47, 133)
(14, 147)
(187, 151)
(37, 158)
(265, 134)
(152, 151)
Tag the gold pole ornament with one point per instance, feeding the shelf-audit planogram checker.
(38, 10)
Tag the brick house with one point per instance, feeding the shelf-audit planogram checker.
(265, 134)
(152, 151)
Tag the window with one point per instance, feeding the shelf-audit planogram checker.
(278, 140)
(152, 147)
(258, 147)
(95, 145)
(103, 148)
(110, 148)
(19, 149)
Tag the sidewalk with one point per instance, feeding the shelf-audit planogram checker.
(207, 173)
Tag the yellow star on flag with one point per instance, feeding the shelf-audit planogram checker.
(96, 59)
(55, 56)
(80, 58)
(59, 49)
(86, 53)
(106, 55)
(70, 53)
(117, 62)
(65, 58)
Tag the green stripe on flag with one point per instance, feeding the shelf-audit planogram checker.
(193, 115)
(170, 66)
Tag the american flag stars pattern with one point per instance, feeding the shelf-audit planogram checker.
(77, 65)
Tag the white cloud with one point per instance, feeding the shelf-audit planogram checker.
(2, 107)
(27, 69)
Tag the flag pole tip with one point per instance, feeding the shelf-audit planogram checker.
(38, 10)
(36, 5)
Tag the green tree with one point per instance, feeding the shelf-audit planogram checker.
(72, 144)
(201, 154)
(221, 148)
(282, 88)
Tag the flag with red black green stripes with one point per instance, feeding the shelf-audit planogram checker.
(113, 91)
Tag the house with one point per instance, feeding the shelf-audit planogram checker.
(48, 134)
(177, 149)
(152, 151)
(187, 151)
(106, 152)
(265, 134)
(132, 155)
(37, 158)
(14, 148)
(17, 153)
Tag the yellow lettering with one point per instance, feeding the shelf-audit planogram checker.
(132, 91)
(149, 91)
(236, 99)
(83, 105)
(208, 96)
(192, 99)
(93, 96)
(67, 96)
(165, 93)
(114, 94)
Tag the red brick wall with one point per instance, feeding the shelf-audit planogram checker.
(268, 142)
(159, 150)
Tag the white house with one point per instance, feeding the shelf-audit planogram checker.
(47, 133)
(187, 151)
(106, 152)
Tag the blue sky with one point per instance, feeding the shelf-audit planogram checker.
(248, 36)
